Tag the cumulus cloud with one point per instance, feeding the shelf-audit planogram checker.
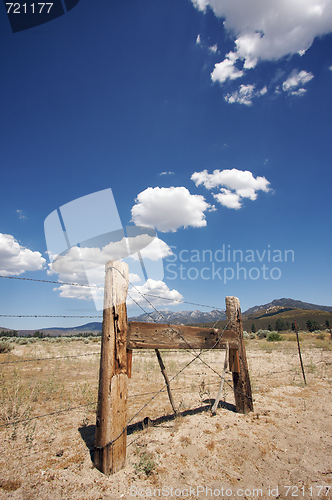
(228, 199)
(267, 31)
(86, 266)
(154, 287)
(77, 292)
(226, 69)
(79, 258)
(295, 80)
(168, 209)
(16, 259)
(234, 185)
(93, 257)
(158, 249)
(244, 95)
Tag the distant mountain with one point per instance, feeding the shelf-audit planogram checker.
(88, 327)
(279, 305)
(262, 312)
(92, 328)
(180, 317)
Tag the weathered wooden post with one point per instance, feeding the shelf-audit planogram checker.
(237, 358)
(111, 432)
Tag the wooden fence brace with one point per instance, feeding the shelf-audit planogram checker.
(216, 402)
(163, 371)
(118, 340)
(240, 372)
(129, 362)
(111, 422)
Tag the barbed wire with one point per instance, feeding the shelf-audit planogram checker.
(46, 415)
(50, 281)
(190, 350)
(43, 316)
(196, 356)
(48, 359)
(101, 287)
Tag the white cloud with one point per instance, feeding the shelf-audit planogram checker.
(268, 30)
(154, 287)
(243, 95)
(168, 209)
(228, 199)
(134, 278)
(296, 79)
(213, 48)
(298, 92)
(166, 173)
(78, 258)
(235, 184)
(158, 249)
(330, 68)
(86, 266)
(77, 292)
(73, 260)
(16, 259)
(226, 69)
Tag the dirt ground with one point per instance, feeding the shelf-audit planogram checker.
(281, 450)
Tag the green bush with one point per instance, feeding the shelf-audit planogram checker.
(273, 337)
(262, 334)
(146, 464)
(5, 346)
(22, 341)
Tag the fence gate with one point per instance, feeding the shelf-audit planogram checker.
(120, 337)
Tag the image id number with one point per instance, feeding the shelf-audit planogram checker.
(15, 8)
(314, 491)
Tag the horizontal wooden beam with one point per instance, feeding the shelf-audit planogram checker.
(160, 336)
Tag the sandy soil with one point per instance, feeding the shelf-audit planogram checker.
(281, 450)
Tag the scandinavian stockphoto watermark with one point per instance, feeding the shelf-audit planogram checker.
(227, 264)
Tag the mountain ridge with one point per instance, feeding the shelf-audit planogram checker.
(191, 317)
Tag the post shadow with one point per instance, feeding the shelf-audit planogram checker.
(87, 432)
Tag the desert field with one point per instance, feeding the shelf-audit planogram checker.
(282, 450)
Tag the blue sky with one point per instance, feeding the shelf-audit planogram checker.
(208, 120)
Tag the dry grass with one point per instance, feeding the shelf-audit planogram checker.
(42, 450)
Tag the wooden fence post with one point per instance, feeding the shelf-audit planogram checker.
(238, 359)
(111, 432)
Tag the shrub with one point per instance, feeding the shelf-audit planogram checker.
(273, 337)
(146, 464)
(22, 341)
(321, 336)
(262, 334)
(5, 346)
(246, 335)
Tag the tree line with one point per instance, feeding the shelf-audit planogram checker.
(281, 325)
